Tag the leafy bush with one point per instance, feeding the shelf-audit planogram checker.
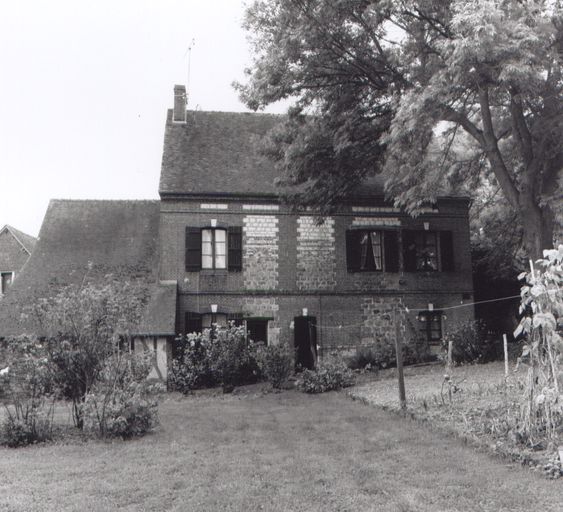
(122, 403)
(214, 357)
(382, 355)
(82, 325)
(27, 386)
(275, 363)
(470, 343)
(331, 374)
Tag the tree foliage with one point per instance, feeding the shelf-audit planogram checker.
(433, 95)
(82, 327)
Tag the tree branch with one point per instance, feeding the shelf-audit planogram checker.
(494, 156)
(520, 129)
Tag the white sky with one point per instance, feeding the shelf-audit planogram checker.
(84, 90)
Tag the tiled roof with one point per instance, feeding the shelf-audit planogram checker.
(160, 314)
(217, 152)
(27, 241)
(85, 238)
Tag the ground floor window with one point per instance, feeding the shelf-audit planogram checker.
(257, 329)
(431, 325)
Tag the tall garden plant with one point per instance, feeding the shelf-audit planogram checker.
(542, 303)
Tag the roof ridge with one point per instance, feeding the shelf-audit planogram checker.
(25, 240)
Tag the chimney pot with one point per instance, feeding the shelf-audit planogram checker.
(180, 100)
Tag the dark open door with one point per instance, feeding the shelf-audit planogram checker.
(305, 331)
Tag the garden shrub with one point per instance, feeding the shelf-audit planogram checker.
(214, 357)
(275, 363)
(330, 374)
(27, 387)
(122, 403)
(382, 355)
(470, 343)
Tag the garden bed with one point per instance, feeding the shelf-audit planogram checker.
(476, 404)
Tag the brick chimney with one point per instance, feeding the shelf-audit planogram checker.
(180, 100)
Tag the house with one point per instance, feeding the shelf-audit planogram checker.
(15, 249)
(220, 246)
(237, 253)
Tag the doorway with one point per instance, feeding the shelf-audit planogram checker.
(305, 332)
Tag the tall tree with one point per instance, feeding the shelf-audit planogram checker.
(393, 87)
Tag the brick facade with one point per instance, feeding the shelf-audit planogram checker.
(290, 262)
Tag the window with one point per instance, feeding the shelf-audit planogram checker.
(214, 248)
(209, 320)
(257, 329)
(428, 251)
(431, 325)
(6, 279)
(370, 250)
(371, 257)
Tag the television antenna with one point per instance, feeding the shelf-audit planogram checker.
(189, 54)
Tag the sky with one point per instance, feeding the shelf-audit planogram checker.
(85, 87)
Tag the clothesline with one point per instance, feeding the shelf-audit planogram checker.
(418, 310)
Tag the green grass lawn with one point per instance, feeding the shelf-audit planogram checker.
(273, 452)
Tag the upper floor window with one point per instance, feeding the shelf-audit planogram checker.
(428, 251)
(6, 279)
(371, 250)
(213, 248)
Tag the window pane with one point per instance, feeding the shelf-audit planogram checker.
(220, 261)
(220, 235)
(206, 235)
(206, 261)
(364, 239)
(376, 248)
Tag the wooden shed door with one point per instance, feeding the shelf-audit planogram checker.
(305, 332)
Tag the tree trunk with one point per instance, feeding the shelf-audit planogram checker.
(537, 225)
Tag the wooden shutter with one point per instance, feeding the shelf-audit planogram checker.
(447, 251)
(409, 250)
(193, 249)
(235, 248)
(353, 250)
(391, 249)
(193, 322)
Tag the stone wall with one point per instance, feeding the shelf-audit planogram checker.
(316, 255)
(260, 252)
(264, 307)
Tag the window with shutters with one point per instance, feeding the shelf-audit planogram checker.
(370, 250)
(214, 248)
(428, 251)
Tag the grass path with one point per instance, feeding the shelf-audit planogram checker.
(277, 452)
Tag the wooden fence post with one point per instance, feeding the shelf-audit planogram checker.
(399, 357)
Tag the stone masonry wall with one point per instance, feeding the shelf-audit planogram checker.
(316, 255)
(260, 252)
(265, 307)
(379, 330)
